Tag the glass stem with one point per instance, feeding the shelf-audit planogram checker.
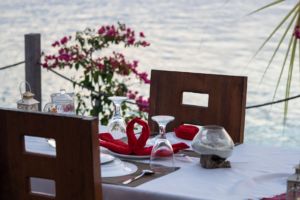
(117, 110)
(162, 131)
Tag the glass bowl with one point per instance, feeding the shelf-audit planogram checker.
(213, 140)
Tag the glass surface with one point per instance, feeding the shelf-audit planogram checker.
(116, 125)
(162, 155)
(61, 103)
(213, 140)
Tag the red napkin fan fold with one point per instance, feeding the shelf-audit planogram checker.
(135, 146)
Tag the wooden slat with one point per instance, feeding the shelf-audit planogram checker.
(32, 64)
(226, 106)
(38, 165)
(76, 167)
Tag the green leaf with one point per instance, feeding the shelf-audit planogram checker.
(283, 65)
(96, 76)
(266, 6)
(77, 66)
(279, 44)
(274, 31)
(289, 79)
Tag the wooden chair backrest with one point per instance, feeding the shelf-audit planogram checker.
(75, 169)
(226, 100)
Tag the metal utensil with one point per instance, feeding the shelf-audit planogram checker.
(144, 173)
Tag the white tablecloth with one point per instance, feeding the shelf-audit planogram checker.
(256, 172)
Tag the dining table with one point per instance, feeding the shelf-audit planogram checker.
(256, 171)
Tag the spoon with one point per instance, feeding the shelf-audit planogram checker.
(145, 172)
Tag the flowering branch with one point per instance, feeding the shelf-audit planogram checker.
(103, 74)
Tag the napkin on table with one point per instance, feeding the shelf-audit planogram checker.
(135, 146)
(186, 132)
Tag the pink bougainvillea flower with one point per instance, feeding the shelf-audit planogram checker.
(145, 44)
(131, 95)
(101, 30)
(61, 51)
(131, 40)
(45, 65)
(65, 57)
(111, 32)
(142, 34)
(297, 32)
(135, 63)
(143, 104)
(144, 77)
(56, 43)
(64, 40)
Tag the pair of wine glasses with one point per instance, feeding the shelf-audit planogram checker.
(162, 155)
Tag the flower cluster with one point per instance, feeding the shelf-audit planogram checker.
(65, 56)
(142, 102)
(122, 34)
(104, 75)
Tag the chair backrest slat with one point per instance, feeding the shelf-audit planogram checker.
(226, 101)
(75, 168)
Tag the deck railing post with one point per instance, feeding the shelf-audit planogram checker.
(32, 64)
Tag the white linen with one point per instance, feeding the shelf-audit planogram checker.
(117, 168)
(256, 172)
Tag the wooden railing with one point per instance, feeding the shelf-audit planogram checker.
(32, 64)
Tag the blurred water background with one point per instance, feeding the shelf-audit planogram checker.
(207, 36)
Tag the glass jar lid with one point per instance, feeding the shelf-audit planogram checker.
(61, 97)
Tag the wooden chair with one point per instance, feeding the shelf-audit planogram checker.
(226, 100)
(75, 170)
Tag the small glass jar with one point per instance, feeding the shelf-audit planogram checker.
(61, 102)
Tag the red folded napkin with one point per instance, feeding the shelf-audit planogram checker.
(186, 132)
(135, 146)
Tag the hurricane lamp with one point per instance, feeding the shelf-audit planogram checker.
(28, 102)
(214, 145)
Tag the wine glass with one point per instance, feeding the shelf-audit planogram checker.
(162, 155)
(116, 125)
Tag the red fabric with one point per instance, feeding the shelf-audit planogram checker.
(278, 197)
(135, 146)
(186, 132)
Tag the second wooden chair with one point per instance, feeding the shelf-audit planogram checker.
(226, 100)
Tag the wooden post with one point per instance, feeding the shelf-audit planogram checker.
(32, 64)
